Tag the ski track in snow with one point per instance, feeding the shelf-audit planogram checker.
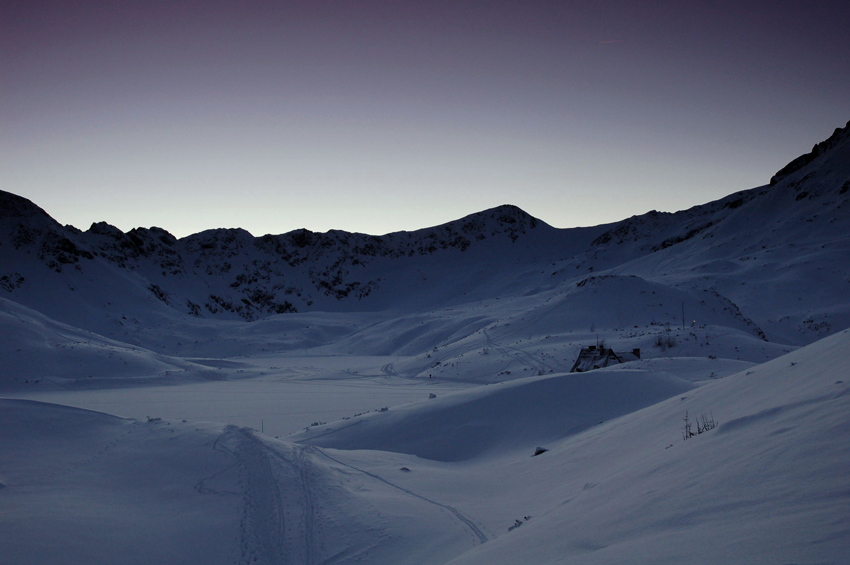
(310, 520)
(476, 531)
(279, 515)
(280, 518)
(522, 357)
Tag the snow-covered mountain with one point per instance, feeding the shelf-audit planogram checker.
(406, 398)
(783, 237)
(230, 274)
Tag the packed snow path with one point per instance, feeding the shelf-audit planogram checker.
(291, 510)
(469, 524)
(278, 518)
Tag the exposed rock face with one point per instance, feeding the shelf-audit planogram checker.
(11, 282)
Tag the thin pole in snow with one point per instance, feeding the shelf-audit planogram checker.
(683, 316)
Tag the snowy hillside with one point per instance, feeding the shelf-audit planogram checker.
(406, 398)
(769, 481)
(36, 349)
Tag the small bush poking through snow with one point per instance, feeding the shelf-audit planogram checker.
(665, 341)
(704, 423)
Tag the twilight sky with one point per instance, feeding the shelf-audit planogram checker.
(378, 116)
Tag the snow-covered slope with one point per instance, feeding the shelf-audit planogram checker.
(768, 481)
(501, 418)
(768, 484)
(37, 350)
(85, 487)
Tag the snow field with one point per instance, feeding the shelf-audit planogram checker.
(769, 481)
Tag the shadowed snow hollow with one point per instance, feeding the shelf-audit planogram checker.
(501, 418)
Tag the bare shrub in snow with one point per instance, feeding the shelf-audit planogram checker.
(665, 341)
(686, 431)
(704, 423)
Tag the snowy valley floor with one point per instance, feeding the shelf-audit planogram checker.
(436, 480)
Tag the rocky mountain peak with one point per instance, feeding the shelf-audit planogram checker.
(103, 228)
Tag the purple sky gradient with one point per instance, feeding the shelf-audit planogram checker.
(387, 115)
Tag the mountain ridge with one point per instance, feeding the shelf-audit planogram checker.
(772, 231)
